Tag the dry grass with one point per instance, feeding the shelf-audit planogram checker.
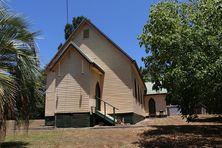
(201, 133)
(117, 137)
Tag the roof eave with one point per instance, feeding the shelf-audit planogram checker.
(65, 44)
(156, 94)
(80, 52)
(99, 68)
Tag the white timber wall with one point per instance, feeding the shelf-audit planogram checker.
(117, 79)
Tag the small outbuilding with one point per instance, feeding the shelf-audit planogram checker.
(155, 101)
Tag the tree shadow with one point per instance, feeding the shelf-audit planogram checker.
(210, 119)
(14, 144)
(182, 136)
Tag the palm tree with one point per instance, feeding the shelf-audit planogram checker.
(19, 69)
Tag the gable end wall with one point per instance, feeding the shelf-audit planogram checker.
(117, 79)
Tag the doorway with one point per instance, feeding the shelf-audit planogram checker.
(98, 97)
(152, 108)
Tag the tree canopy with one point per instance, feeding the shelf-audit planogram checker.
(20, 87)
(69, 28)
(184, 52)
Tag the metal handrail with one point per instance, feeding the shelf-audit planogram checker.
(114, 109)
(107, 103)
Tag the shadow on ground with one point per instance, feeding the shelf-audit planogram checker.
(182, 136)
(16, 144)
(210, 119)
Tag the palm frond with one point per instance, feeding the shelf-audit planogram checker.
(19, 68)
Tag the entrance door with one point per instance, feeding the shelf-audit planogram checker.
(152, 107)
(98, 97)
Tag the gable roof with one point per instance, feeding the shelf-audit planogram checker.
(58, 56)
(121, 50)
(151, 91)
(106, 37)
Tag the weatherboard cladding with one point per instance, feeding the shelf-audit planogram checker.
(138, 103)
(117, 79)
(50, 94)
(79, 29)
(71, 44)
(72, 87)
(73, 93)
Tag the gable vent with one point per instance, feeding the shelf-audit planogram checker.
(86, 33)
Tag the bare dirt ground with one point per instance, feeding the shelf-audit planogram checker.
(156, 132)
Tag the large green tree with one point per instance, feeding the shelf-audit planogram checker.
(145, 74)
(184, 52)
(19, 69)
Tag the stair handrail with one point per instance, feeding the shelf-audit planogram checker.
(114, 109)
(107, 103)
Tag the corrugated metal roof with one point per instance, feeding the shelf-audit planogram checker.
(151, 91)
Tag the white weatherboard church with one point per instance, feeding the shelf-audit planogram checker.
(92, 80)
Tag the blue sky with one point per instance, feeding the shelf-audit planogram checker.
(121, 20)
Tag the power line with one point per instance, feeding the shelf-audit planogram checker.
(67, 11)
